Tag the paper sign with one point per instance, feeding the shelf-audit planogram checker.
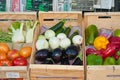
(106, 4)
(15, 5)
(12, 75)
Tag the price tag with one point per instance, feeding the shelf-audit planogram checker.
(12, 75)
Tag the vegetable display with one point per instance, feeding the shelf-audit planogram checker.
(25, 31)
(17, 33)
(102, 46)
(13, 57)
(59, 45)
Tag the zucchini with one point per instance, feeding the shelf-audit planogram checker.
(58, 25)
(59, 31)
(67, 30)
(74, 34)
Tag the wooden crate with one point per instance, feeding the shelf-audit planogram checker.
(56, 72)
(5, 21)
(109, 20)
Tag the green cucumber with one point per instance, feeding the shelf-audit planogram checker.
(67, 30)
(74, 34)
(58, 25)
(59, 31)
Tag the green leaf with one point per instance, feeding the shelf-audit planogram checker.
(15, 25)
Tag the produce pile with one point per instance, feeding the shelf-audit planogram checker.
(57, 46)
(102, 46)
(14, 57)
(19, 32)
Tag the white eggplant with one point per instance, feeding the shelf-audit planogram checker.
(77, 40)
(42, 44)
(64, 43)
(54, 42)
(49, 34)
(61, 36)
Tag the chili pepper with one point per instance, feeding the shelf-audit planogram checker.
(109, 51)
(89, 51)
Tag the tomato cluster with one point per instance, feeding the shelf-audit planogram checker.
(14, 57)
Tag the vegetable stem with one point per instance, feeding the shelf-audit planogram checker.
(27, 24)
(21, 27)
(35, 24)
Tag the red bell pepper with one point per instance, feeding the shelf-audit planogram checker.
(115, 40)
(117, 55)
(89, 51)
(110, 51)
(92, 51)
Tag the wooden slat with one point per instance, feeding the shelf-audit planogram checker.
(99, 73)
(55, 79)
(102, 13)
(110, 23)
(103, 72)
(5, 68)
(60, 71)
(7, 18)
(18, 16)
(72, 18)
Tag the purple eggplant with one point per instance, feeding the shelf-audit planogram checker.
(57, 55)
(42, 54)
(72, 52)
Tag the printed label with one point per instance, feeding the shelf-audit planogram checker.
(12, 75)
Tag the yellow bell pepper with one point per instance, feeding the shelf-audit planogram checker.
(100, 42)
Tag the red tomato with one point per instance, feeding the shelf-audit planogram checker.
(3, 56)
(12, 54)
(5, 62)
(20, 61)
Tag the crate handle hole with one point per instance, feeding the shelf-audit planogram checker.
(68, 19)
(104, 17)
(48, 20)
